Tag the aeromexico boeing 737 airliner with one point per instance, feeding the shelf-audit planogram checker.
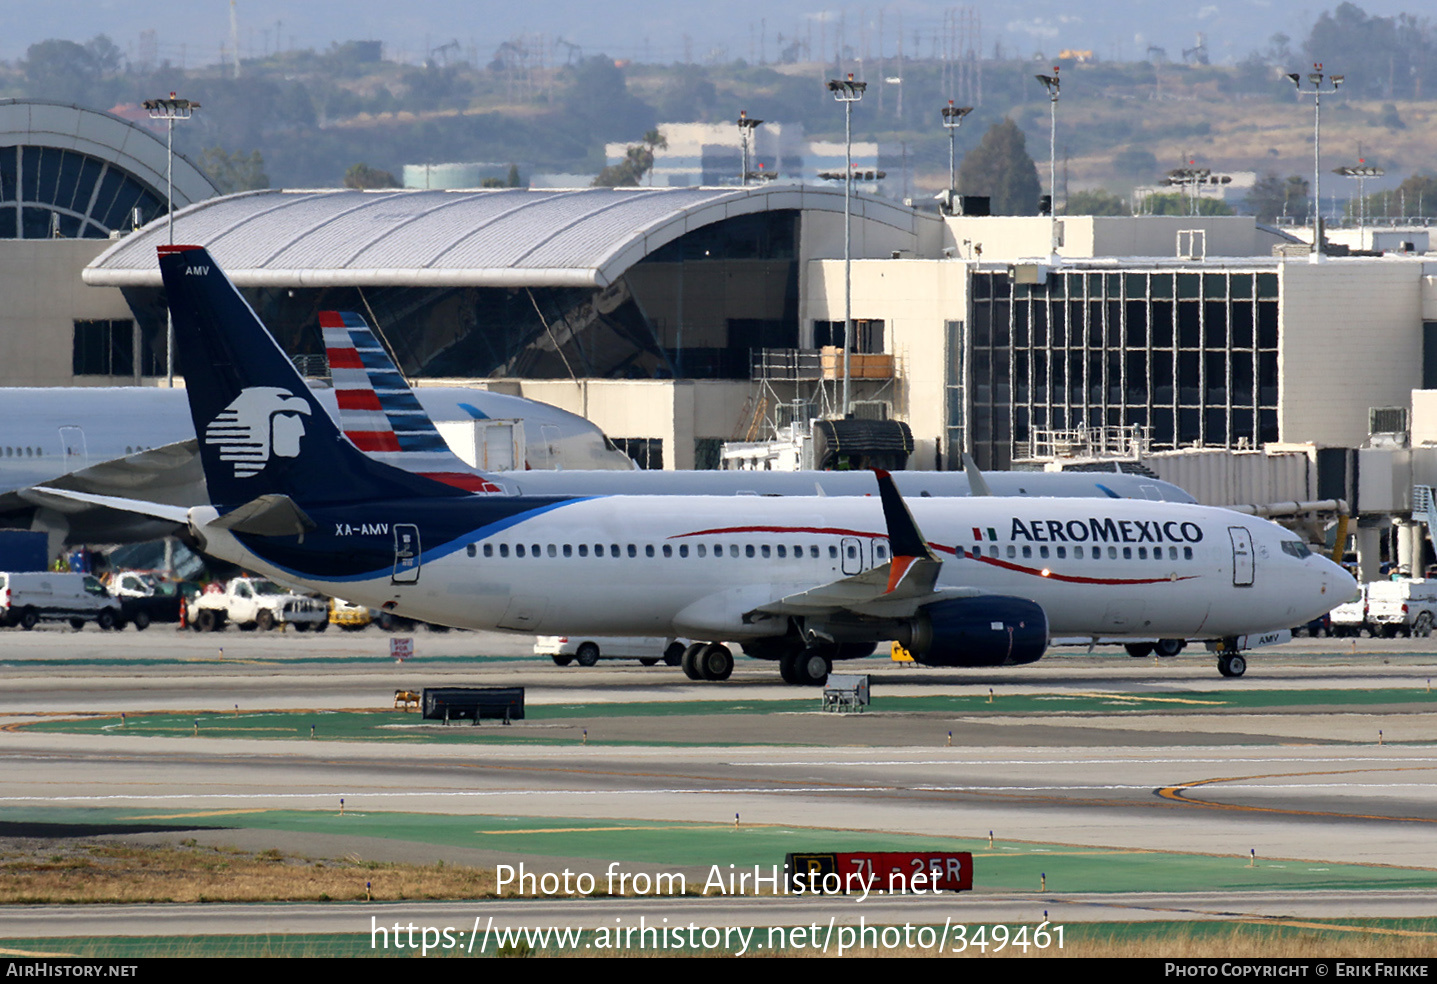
(801, 581)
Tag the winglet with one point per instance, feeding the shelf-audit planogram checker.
(977, 484)
(904, 537)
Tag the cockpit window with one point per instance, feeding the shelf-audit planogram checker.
(1295, 548)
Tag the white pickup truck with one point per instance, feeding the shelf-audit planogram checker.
(1406, 607)
(255, 603)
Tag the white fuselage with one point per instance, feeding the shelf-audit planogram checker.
(693, 566)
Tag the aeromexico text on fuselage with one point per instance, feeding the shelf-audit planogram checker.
(1100, 531)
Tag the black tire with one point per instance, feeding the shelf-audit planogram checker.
(264, 620)
(320, 626)
(29, 618)
(1169, 647)
(141, 621)
(690, 661)
(811, 668)
(207, 621)
(674, 655)
(716, 662)
(587, 654)
(788, 668)
(106, 619)
(648, 661)
(387, 622)
(1232, 666)
(562, 659)
(1137, 650)
(1422, 628)
(77, 624)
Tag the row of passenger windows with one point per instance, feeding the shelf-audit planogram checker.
(783, 551)
(779, 551)
(1094, 552)
(36, 452)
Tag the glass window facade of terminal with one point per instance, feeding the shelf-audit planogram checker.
(1189, 357)
(47, 193)
(695, 308)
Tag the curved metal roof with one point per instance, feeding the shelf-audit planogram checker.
(508, 237)
(37, 123)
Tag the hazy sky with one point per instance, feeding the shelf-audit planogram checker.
(195, 30)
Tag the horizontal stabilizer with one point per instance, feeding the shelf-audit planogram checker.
(268, 515)
(59, 498)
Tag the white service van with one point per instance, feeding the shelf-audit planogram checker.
(31, 597)
(586, 651)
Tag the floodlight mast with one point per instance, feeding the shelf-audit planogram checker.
(952, 120)
(1316, 78)
(169, 110)
(746, 126)
(1052, 82)
(848, 92)
(1361, 172)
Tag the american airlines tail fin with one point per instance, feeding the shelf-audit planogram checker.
(378, 411)
(260, 430)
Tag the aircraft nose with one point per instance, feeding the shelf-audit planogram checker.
(1338, 585)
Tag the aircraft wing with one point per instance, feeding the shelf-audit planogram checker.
(170, 475)
(892, 590)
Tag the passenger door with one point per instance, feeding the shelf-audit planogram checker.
(1242, 557)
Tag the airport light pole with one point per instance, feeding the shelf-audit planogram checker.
(1051, 81)
(1361, 172)
(847, 92)
(1316, 78)
(169, 110)
(952, 120)
(746, 126)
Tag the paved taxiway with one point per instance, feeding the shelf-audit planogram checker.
(1306, 782)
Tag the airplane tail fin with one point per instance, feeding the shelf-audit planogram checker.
(378, 411)
(260, 430)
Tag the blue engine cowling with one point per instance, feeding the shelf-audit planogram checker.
(989, 631)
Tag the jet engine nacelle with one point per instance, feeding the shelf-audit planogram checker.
(988, 631)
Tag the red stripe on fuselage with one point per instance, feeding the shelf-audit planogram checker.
(460, 480)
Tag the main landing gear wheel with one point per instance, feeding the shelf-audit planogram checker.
(690, 661)
(1232, 666)
(1138, 650)
(805, 668)
(1169, 647)
(715, 662)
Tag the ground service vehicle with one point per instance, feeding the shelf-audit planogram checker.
(29, 598)
(1405, 607)
(1350, 617)
(145, 598)
(588, 650)
(256, 603)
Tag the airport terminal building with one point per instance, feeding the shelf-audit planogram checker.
(679, 319)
